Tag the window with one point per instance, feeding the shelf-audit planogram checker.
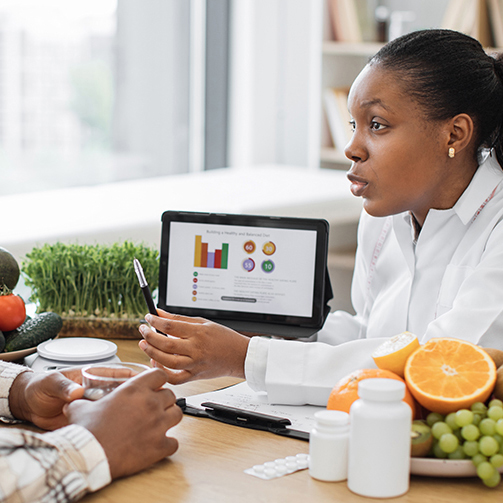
(97, 91)
(92, 91)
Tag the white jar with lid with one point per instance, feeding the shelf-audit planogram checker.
(328, 446)
(379, 441)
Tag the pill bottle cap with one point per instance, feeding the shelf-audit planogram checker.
(381, 389)
(332, 417)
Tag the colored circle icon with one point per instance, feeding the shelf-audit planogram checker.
(194, 292)
(195, 273)
(267, 266)
(194, 299)
(269, 248)
(248, 264)
(249, 246)
(194, 280)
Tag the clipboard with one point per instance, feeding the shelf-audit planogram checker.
(239, 405)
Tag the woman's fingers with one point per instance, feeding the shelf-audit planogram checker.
(168, 359)
(175, 325)
(179, 317)
(199, 347)
(174, 376)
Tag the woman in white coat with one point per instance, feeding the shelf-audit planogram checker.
(426, 154)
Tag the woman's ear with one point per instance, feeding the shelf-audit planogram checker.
(461, 132)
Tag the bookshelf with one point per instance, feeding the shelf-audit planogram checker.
(342, 61)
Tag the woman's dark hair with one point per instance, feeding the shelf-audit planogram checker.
(448, 73)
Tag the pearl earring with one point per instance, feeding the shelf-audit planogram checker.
(452, 152)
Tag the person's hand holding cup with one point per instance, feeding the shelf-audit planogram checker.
(100, 379)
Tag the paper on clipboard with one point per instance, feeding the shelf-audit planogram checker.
(241, 396)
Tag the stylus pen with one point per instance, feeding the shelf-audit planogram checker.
(144, 287)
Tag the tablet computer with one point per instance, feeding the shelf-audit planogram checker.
(255, 274)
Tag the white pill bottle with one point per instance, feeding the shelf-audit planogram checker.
(328, 446)
(379, 440)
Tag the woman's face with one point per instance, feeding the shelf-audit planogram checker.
(399, 159)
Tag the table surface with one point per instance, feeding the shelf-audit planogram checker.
(210, 462)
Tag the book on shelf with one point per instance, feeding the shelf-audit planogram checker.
(336, 110)
(477, 18)
(344, 21)
(496, 19)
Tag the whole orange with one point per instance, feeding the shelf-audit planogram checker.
(345, 392)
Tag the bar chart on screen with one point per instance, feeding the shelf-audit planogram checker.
(217, 259)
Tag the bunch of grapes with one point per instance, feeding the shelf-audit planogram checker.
(476, 434)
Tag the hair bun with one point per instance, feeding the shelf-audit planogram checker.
(498, 64)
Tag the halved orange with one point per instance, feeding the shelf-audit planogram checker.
(393, 353)
(446, 374)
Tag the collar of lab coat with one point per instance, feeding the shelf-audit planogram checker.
(485, 181)
(480, 190)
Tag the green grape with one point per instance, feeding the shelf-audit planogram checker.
(450, 420)
(493, 480)
(499, 426)
(478, 458)
(498, 438)
(439, 429)
(470, 432)
(487, 426)
(471, 447)
(485, 470)
(464, 417)
(477, 417)
(479, 407)
(496, 402)
(488, 445)
(495, 413)
(496, 460)
(438, 452)
(459, 453)
(433, 417)
(448, 442)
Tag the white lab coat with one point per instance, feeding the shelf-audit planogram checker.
(448, 284)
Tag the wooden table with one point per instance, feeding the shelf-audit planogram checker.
(210, 462)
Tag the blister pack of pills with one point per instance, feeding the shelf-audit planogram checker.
(279, 467)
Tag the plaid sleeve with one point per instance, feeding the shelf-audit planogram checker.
(59, 466)
(8, 372)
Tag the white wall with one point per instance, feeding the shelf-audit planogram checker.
(274, 89)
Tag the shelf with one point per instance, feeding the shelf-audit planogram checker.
(331, 48)
(330, 154)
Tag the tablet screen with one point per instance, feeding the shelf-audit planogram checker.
(244, 267)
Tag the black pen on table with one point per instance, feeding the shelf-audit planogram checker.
(144, 287)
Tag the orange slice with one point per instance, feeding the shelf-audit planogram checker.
(446, 375)
(392, 354)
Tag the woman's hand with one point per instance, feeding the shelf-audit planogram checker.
(39, 397)
(194, 348)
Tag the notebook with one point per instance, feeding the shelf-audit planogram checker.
(255, 274)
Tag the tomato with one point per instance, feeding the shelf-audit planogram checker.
(12, 312)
